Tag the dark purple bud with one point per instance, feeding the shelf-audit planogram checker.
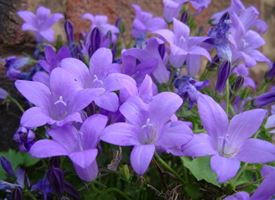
(238, 83)
(215, 62)
(223, 74)
(271, 73)
(24, 138)
(162, 50)
(56, 179)
(265, 99)
(14, 67)
(184, 17)
(6, 165)
(69, 30)
(17, 194)
(95, 41)
(69, 189)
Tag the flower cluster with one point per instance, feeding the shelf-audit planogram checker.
(90, 92)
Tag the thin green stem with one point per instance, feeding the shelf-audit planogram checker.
(13, 100)
(227, 96)
(168, 168)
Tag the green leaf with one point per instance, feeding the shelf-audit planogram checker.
(200, 168)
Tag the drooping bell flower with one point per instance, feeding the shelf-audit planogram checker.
(15, 67)
(40, 23)
(223, 74)
(58, 104)
(265, 98)
(229, 143)
(189, 89)
(184, 48)
(149, 128)
(243, 71)
(79, 145)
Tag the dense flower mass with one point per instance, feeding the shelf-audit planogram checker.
(166, 96)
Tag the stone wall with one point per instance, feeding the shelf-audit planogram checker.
(12, 40)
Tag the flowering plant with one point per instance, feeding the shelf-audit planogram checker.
(169, 115)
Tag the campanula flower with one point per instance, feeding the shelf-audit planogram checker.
(264, 191)
(150, 62)
(15, 67)
(58, 103)
(243, 71)
(101, 22)
(3, 94)
(270, 123)
(148, 128)
(145, 23)
(40, 23)
(184, 48)
(79, 146)
(52, 58)
(229, 143)
(102, 74)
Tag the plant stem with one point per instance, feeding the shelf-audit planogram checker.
(167, 167)
(227, 96)
(13, 100)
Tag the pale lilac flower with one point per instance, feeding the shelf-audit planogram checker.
(245, 44)
(243, 71)
(79, 146)
(102, 74)
(57, 104)
(184, 48)
(172, 8)
(229, 143)
(150, 60)
(148, 127)
(101, 22)
(270, 123)
(249, 16)
(52, 58)
(145, 23)
(40, 23)
(265, 191)
(265, 98)
(3, 94)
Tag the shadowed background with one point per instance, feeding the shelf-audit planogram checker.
(13, 41)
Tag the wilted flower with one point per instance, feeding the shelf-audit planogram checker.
(24, 138)
(229, 143)
(223, 74)
(40, 23)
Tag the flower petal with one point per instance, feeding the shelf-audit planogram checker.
(244, 125)
(34, 117)
(200, 145)
(83, 158)
(122, 134)
(108, 101)
(141, 157)
(257, 151)
(47, 148)
(89, 173)
(35, 92)
(213, 117)
(225, 168)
